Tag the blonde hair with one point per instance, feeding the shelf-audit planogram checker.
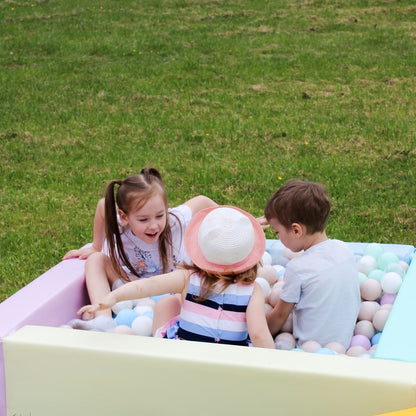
(211, 281)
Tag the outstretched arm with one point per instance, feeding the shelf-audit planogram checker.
(256, 320)
(174, 282)
(200, 202)
(98, 235)
(278, 316)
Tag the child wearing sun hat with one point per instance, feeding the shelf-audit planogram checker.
(222, 303)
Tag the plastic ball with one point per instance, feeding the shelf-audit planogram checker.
(126, 317)
(367, 310)
(373, 249)
(380, 319)
(288, 325)
(336, 347)
(365, 328)
(366, 264)
(376, 274)
(265, 286)
(388, 298)
(103, 323)
(370, 289)
(404, 265)
(310, 346)
(289, 254)
(142, 309)
(276, 252)
(356, 350)
(391, 282)
(144, 301)
(275, 294)
(376, 338)
(395, 267)
(285, 341)
(361, 277)
(325, 351)
(280, 270)
(123, 329)
(266, 259)
(142, 325)
(360, 340)
(387, 258)
(268, 272)
(125, 304)
(267, 308)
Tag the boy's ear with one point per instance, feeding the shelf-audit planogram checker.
(123, 217)
(297, 229)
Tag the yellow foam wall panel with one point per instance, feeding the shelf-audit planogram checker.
(57, 371)
(406, 412)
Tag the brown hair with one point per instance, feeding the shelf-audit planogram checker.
(300, 201)
(209, 281)
(132, 194)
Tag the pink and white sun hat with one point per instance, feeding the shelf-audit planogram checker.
(224, 239)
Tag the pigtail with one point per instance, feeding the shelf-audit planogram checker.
(113, 235)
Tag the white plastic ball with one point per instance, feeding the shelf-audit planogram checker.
(142, 325)
(265, 285)
(266, 259)
(391, 282)
(125, 304)
(142, 309)
(280, 270)
(366, 264)
(144, 301)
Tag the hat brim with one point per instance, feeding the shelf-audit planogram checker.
(195, 254)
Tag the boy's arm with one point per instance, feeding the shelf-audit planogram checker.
(98, 236)
(256, 320)
(200, 202)
(278, 316)
(173, 282)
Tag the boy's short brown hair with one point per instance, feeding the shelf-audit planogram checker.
(300, 201)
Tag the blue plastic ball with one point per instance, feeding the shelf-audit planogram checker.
(325, 351)
(375, 339)
(126, 317)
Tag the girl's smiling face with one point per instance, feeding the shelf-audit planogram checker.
(147, 222)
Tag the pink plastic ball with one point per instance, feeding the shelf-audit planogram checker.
(275, 294)
(268, 272)
(388, 298)
(310, 346)
(123, 329)
(365, 328)
(370, 289)
(356, 350)
(264, 284)
(380, 319)
(288, 325)
(267, 308)
(367, 310)
(336, 347)
(360, 340)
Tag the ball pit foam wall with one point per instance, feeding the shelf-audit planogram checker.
(49, 370)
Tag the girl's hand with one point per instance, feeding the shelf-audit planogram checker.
(263, 222)
(82, 253)
(91, 309)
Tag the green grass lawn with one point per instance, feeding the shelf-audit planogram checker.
(226, 98)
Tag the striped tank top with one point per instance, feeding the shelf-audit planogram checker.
(221, 318)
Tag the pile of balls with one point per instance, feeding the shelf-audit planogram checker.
(381, 274)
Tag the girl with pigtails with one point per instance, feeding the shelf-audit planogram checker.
(143, 237)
